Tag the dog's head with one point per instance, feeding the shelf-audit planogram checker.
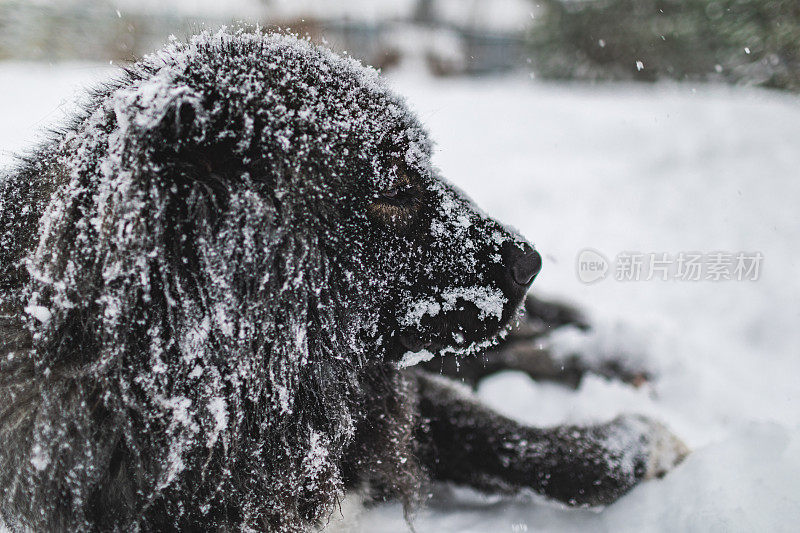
(288, 189)
(347, 169)
(355, 166)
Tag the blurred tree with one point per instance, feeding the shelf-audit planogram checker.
(747, 41)
(423, 12)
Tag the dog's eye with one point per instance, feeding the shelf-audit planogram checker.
(399, 195)
(396, 206)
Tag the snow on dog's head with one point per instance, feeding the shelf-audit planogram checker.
(248, 220)
(294, 144)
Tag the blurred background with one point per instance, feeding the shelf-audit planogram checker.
(740, 41)
(621, 126)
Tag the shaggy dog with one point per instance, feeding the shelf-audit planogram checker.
(211, 283)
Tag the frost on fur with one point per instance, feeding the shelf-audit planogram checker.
(207, 280)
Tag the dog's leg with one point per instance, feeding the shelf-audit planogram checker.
(526, 349)
(542, 316)
(462, 441)
(524, 355)
(521, 349)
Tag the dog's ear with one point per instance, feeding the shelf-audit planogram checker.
(161, 115)
(182, 122)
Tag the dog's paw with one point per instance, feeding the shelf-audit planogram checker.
(661, 449)
(612, 350)
(596, 465)
(666, 451)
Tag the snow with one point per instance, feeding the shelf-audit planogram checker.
(415, 358)
(489, 302)
(39, 312)
(219, 410)
(663, 168)
(39, 458)
(36, 96)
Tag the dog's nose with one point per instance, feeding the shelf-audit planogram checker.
(523, 262)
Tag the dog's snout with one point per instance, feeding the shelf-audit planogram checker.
(523, 262)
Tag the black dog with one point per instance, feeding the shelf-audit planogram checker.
(210, 285)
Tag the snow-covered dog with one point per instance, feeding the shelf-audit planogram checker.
(213, 283)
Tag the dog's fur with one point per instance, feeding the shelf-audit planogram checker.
(207, 282)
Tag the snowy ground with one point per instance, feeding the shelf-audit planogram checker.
(663, 169)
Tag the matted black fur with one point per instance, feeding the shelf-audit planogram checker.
(210, 284)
